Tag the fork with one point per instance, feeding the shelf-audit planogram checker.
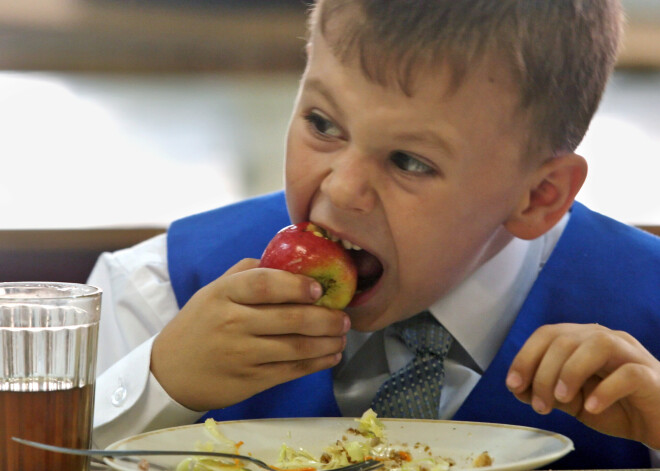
(367, 465)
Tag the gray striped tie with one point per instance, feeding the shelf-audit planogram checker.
(414, 390)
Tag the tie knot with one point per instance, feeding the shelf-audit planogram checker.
(423, 334)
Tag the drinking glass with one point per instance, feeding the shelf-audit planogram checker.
(48, 340)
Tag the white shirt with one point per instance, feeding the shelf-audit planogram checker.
(138, 301)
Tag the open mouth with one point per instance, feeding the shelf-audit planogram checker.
(368, 266)
(369, 269)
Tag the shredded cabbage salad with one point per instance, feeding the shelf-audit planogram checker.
(368, 441)
(218, 443)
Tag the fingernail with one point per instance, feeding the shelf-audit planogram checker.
(561, 391)
(591, 405)
(513, 380)
(347, 324)
(315, 290)
(538, 404)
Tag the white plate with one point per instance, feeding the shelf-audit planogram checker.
(511, 447)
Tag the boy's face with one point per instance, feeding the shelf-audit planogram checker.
(423, 183)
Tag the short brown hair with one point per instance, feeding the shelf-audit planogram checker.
(561, 52)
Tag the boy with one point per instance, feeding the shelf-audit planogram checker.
(438, 136)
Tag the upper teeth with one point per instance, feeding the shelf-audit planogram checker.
(347, 244)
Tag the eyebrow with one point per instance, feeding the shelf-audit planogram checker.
(425, 136)
(429, 137)
(317, 85)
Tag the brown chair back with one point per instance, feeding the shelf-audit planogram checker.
(61, 255)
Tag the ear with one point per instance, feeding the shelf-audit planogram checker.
(551, 193)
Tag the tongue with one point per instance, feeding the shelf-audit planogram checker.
(367, 265)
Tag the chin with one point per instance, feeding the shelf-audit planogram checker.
(366, 319)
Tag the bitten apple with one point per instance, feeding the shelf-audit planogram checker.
(305, 249)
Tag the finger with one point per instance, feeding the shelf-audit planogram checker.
(271, 286)
(585, 362)
(299, 319)
(292, 348)
(289, 370)
(524, 365)
(575, 406)
(242, 265)
(624, 381)
(547, 373)
(524, 396)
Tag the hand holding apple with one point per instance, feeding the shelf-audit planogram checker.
(305, 249)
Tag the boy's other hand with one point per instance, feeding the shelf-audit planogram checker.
(604, 378)
(245, 332)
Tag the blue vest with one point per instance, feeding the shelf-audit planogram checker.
(600, 271)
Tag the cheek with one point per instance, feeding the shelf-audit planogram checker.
(434, 257)
(419, 258)
(497, 180)
(299, 182)
(428, 273)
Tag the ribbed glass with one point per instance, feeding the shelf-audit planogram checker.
(48, 335)
(48, 338)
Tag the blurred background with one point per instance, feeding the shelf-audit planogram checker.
(127, 114)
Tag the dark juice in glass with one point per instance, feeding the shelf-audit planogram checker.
(61, 416)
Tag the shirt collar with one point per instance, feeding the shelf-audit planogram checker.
(480, 311)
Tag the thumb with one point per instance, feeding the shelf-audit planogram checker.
(243, 265)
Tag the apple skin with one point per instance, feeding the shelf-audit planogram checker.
(304, 249)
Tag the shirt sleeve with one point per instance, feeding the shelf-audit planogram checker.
(137, 302)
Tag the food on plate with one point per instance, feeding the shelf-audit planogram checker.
(367, 440)
(219, 443)
(308, 249)
(483, 460)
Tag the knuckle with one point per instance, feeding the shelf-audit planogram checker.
(546, 330)
(602, 340)
(204, 295)
(303, 346)
(235, 352)
(303, 366)
(625, 336)
(565, 343)
(244, 374)
(246, 263)
(260, 283)
(634, 372)
(296, 320)
(228, 321)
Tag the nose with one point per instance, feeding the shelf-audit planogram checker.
(349, 183)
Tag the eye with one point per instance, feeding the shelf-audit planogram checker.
(322, 125)
(410, 164)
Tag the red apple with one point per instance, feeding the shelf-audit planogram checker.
(305, 249)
